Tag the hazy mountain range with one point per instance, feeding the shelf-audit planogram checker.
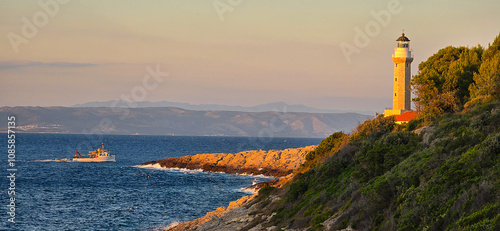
(277, 106)
(177, 121)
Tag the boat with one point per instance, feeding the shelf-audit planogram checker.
(98, 155)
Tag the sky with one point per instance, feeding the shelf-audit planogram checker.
(231, 52)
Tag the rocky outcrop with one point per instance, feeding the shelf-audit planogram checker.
(233, 217)
(277, 163)
(240, 214)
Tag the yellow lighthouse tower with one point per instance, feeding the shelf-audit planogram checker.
(402, 59)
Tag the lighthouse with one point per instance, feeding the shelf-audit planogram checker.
(402, 58)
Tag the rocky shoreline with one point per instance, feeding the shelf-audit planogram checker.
(276, 163)
(234, 217)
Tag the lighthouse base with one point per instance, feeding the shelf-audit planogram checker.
(402, 116)
(393, 112)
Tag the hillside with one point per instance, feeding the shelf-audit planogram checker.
(217, 107)
(445, 176)
(175, 121)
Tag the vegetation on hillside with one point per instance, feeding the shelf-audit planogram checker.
(457, 77)
(443, 175)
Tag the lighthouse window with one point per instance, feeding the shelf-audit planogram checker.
(395, 94)
(396, 65)
(396, 79)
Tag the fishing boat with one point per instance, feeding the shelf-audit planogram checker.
(98, 155)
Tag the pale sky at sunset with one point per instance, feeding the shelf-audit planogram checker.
(261, 51)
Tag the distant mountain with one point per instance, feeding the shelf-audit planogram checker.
(277, 106)
(176, 121)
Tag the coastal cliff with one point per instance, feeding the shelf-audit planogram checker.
(277, 163)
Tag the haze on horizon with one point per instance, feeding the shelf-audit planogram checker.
(254, 52)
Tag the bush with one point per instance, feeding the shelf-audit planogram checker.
(374, 127)
(297, 189)
(327, 146)
(265, 191)
(380, 157)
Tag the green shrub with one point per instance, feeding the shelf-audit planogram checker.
(327, 146)
(486, 213)
(265, 191)
(297, 189)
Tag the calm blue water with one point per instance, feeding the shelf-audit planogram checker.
(119, 196)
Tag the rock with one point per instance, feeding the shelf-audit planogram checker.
(277, 163)
(234, 217)
(270, 217)
(426, 133)
(328, 223)
(349, 228)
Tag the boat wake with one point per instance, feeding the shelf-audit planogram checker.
(53, 160)
(50, 160)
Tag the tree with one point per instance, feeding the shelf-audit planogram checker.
(442, 84)
(486, 85)
(460, 74)
(487, 82)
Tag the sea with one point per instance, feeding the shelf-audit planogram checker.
(38, 193)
